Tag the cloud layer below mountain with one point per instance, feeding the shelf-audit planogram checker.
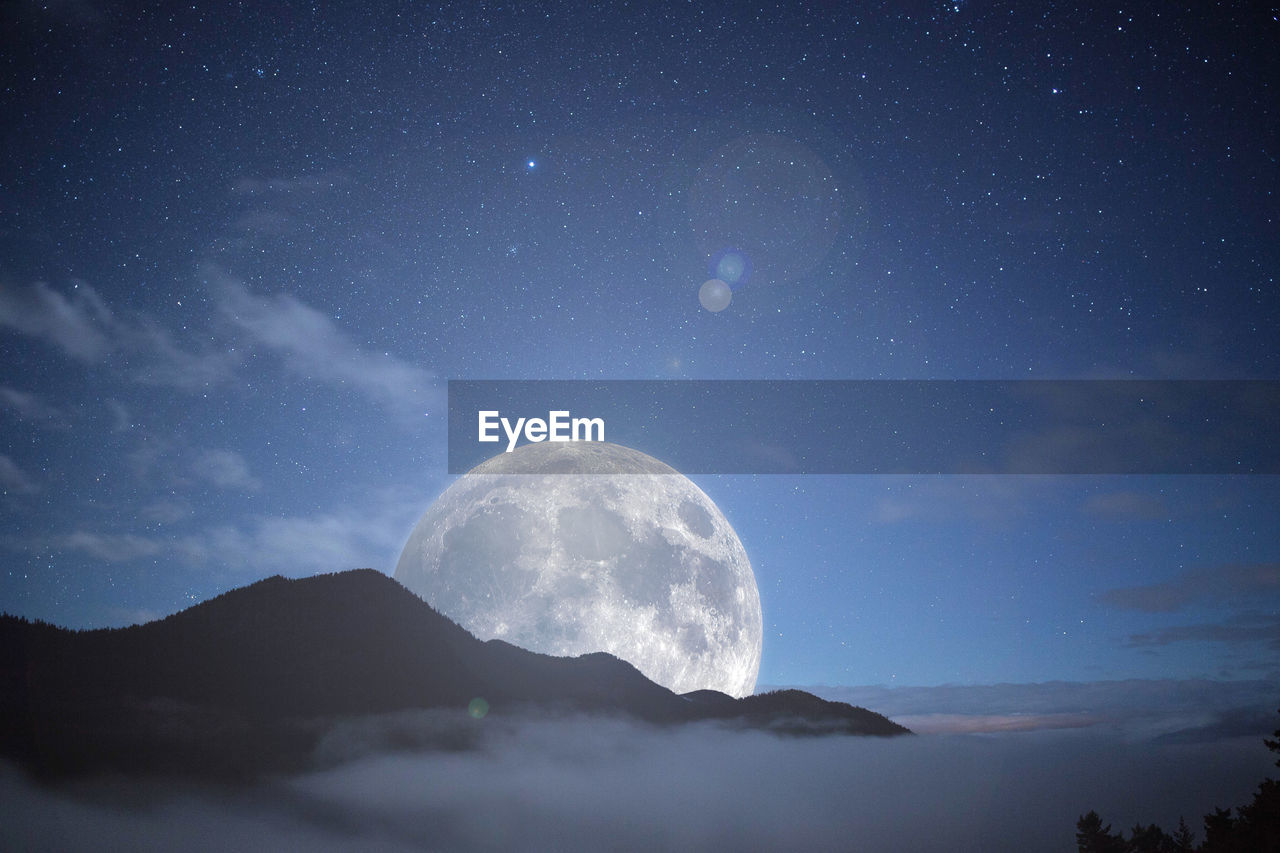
(591, 784)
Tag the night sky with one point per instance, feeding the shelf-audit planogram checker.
(243, 248)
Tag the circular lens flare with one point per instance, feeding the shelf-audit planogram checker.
(730, 265)
(715, 295)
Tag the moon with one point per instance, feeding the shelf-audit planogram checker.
(632, 559)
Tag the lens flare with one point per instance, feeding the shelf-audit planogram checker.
(730, 265)
(714, 295)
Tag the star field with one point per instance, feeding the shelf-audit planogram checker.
(242, 248)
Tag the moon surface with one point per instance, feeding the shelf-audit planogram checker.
(637, 562)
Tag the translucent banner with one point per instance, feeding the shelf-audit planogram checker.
(882, 426)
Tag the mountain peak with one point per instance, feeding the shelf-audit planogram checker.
(244, 681)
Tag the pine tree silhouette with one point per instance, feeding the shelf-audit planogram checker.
(1093, 837)
(1254, 828)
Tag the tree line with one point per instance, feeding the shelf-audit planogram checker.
(1253, 828)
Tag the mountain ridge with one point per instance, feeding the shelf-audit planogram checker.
(247, 682)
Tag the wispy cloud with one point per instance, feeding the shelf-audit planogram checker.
(312, 346)
(309, 343)
(121, 419)
(14, 480)
(225, 469)
(1236, 583)
(990, 723)
(84, 328)
(162, 360)
(276, 206)
(1227, 599)
(78, 325)
(369, 532)
(1241, 629)
(165, 511)
(30, 407)
(952, 497)
(287, 546)
(337, 540)
(111, 547)
(1139, 707)
(300, 186)
(1108, 698)
(1125, 506)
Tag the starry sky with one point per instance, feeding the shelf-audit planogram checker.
(243, 247)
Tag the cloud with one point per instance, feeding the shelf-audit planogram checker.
(136, 345)
(14, 480)
(370, 532)
(313, 347)
(1235, 723)
(1235, 590)
(580, 783)
(225, 469)
(29, 407)
(1241, 629)
(1138, 708)
(161, 360)
(79, 326)
(286, 545)
(990, 723)
(1231, 584)
(165, 511)
(121, 420)
(1126, 506)
(303, 185)
(279, 206)
(85, 329)
(264, 222)
(956, 497)
(112, 547)
(1119, 427)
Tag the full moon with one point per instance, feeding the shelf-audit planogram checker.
(636, 561)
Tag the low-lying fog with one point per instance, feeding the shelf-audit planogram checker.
(601, 784)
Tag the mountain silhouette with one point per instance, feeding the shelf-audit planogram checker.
(250, 681)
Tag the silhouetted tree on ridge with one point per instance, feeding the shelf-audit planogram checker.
(1093, 837)
(1255, 827)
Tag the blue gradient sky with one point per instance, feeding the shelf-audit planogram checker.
(241, 251)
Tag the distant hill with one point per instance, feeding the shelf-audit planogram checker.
(249, 682)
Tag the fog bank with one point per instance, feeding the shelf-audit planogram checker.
(582, 783)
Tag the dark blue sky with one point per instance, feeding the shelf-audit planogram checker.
(242, 248)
